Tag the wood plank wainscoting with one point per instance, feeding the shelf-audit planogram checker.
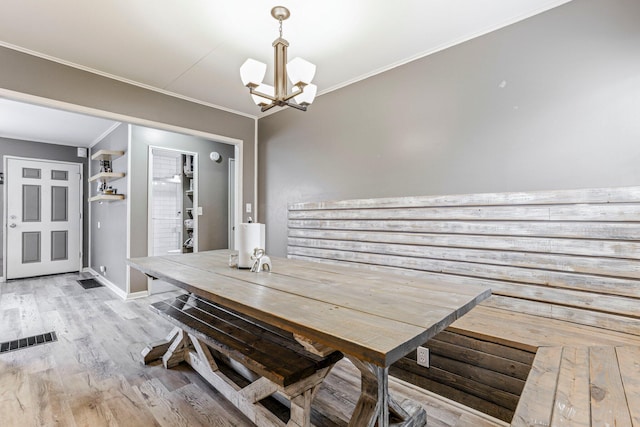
(563, 267)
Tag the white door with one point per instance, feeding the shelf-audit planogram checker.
(43, 217)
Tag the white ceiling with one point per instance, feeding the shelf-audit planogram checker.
(34, 123)
(194, 48)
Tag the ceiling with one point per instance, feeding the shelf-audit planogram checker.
(35, 123)
(194, 48)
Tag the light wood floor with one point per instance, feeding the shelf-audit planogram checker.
(92, 376)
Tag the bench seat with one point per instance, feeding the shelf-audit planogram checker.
(265, 350)
(529, 332)
(582, 386)
(259, 360)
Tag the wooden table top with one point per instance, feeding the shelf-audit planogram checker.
(373, 316)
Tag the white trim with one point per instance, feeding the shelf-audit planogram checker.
(127, 269)
(4, 219)
(122, 79)
(107, 283)
(104, 135)
(255, 172)
(231, 242)
(5, 160)
(89, 213)
(239, 156)
(137, 295)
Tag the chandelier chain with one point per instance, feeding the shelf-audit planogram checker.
(280, 27)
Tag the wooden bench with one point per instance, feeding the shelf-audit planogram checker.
(270, 361)
(582, 386)
(563, 267)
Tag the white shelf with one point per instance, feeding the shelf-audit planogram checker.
(106, 176)
(106, 155)
(106, 197)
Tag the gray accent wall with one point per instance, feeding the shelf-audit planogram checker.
(109, 242)
(38, 150)
(551, 102)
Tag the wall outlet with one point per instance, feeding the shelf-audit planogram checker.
(423, 357)
(103, 270)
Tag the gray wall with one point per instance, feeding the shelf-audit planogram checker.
(567, 117)
(39, 77)
(109, 242)
(30, 149)
(212, 190)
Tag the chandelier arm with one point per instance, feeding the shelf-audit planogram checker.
(297, 106)
(293, 95)
(252, 91)
(268, 107)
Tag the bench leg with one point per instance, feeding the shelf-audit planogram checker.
(156, 350)
(182, 346)
(301, 396)
(375, 405)
(176, 352)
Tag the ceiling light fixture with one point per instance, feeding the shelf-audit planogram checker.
(300, 73)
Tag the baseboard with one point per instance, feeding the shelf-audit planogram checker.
(136, 295)
(114, 288)
(104, 281)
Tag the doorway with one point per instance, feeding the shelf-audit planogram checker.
(43, 217)
(173, 197)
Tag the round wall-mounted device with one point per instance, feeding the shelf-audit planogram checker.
(215, 156)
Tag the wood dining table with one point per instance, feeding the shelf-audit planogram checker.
(373, 317)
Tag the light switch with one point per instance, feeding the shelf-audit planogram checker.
(199, 210)
(98, 225)
(248, 208)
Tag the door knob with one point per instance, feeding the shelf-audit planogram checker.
(12, 225)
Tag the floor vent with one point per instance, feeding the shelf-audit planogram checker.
(89, 283)
(28, 342)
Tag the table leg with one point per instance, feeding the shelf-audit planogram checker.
(375, 406)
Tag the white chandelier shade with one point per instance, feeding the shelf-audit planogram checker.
(308, 95)
(299, 71)
(252, 71)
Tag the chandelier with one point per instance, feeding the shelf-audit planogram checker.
(299, 71)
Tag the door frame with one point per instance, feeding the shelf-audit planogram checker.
(5, 213)
(149, 195)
